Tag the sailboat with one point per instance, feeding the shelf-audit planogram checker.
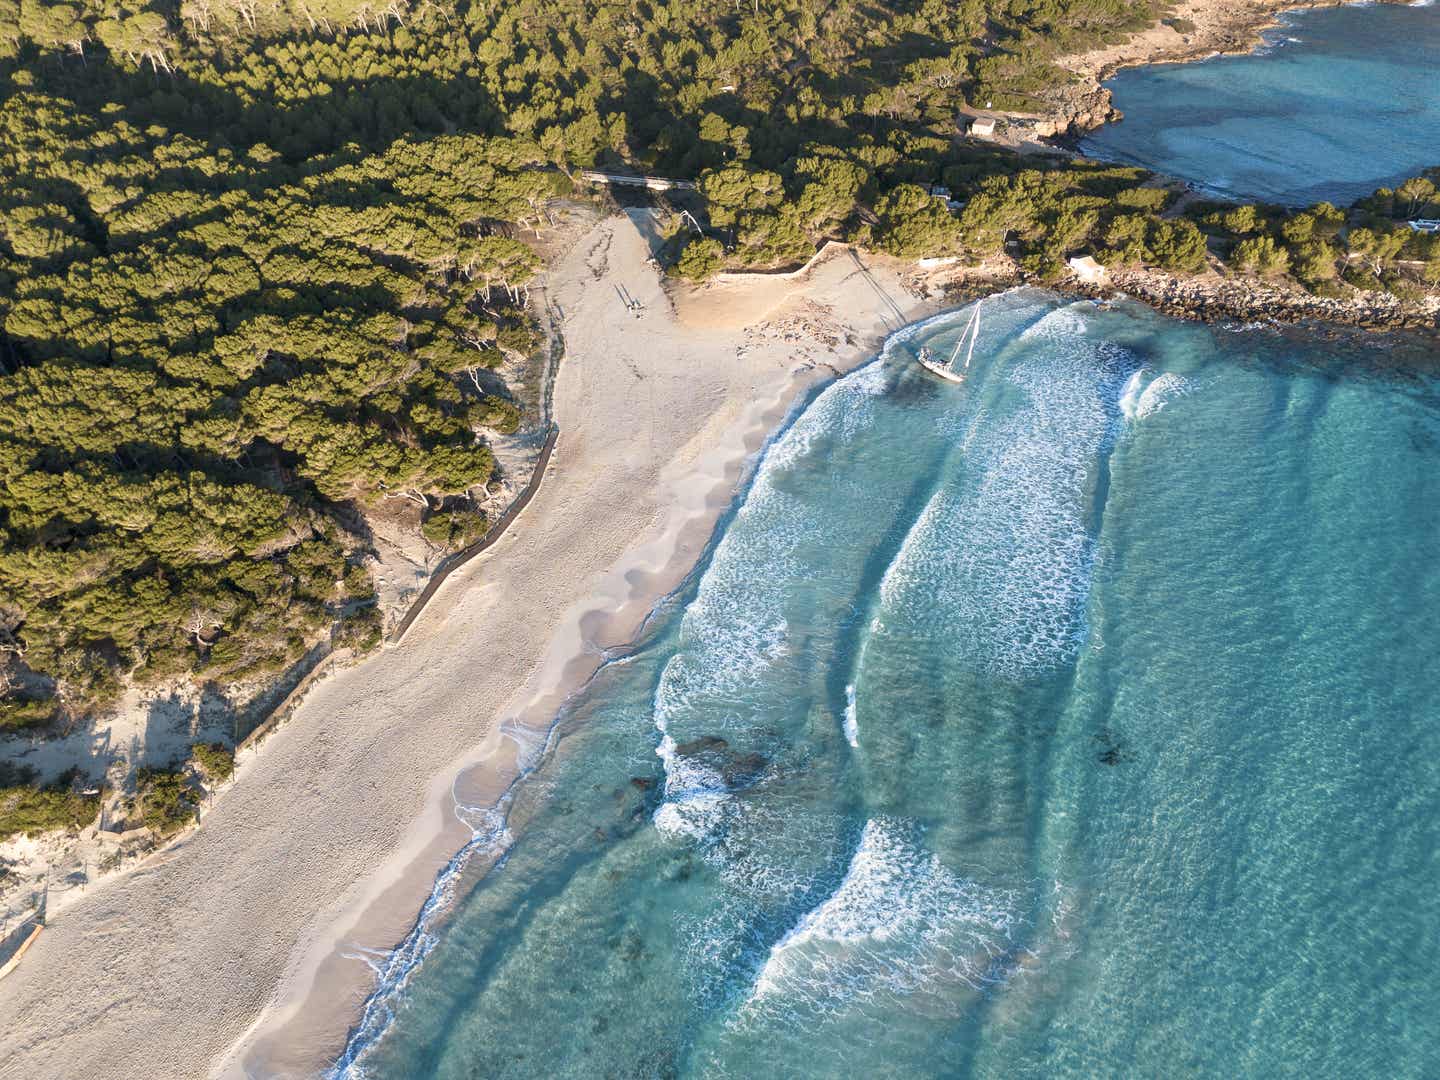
(947, 371)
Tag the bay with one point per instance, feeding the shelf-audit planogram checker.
(1077, 720)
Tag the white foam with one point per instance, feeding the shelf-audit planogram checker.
(490, 837)
(897, 922)
(695, 815)
(851, 722)
(395, 968)
(1165, 389)
(1000, 563)
(733, 633)
(1130, 396)
(695, 796)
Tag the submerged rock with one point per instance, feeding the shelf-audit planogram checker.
(735, 768)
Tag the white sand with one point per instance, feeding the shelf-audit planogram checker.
(226, 954)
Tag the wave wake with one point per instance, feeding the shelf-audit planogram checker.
(898, 922)
(395, 968)
(1000, 562)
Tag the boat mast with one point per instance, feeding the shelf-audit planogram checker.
(960, 343)
(970, 355)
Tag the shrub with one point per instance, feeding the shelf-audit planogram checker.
(361, 631)
(1243, 221)
(27, 808)
(17, 713)
(1143, 198)
(1314, 264)
(1401, 287)
(1261, 255)
(1177, 245)
(495, 412)
(1362, 278)
(167, 801)
(216, 760)
(359, 585)
(454, 529)
(700, 259)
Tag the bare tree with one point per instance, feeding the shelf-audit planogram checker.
(202, 621)
(11, 620)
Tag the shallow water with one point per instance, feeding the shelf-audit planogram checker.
(1339, 102)
(1078, 720)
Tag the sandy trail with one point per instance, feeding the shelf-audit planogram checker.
(227, 954)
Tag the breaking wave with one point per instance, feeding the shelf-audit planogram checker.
(394, 968)
(898, 922)
(1000, 563)
(851, 724)
(733, 633)
(1143, 398)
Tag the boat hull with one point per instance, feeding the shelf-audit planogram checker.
(940, 371)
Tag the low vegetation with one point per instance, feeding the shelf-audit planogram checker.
(215, 760)
(29, 809)
(165, 800)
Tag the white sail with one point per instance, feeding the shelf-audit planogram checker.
(975, 321)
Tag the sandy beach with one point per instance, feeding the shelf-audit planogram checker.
(235, 952)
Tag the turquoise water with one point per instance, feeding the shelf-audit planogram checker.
(1079, 720)
(1339, 102)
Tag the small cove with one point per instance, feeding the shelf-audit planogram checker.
(1336, 103)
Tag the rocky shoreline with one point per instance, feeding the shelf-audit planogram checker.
(1251, 300)
(1211, 28)
(1209, 298)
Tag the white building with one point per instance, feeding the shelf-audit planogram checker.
(982, 126)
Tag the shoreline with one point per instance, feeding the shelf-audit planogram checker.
(495, 770)
(569, 667)
(574, 657)
(322, 978)
(1221, 28)
(321, 991)
(1212, 299)
(208, 958)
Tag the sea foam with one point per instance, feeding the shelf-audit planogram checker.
(733, 633)
(999, 564)
(898, 921)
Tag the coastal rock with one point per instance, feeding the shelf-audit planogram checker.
(737, 769)
(705, 744)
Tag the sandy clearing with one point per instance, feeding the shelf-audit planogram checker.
(205, 959)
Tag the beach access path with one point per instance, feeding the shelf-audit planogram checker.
(237, 952)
